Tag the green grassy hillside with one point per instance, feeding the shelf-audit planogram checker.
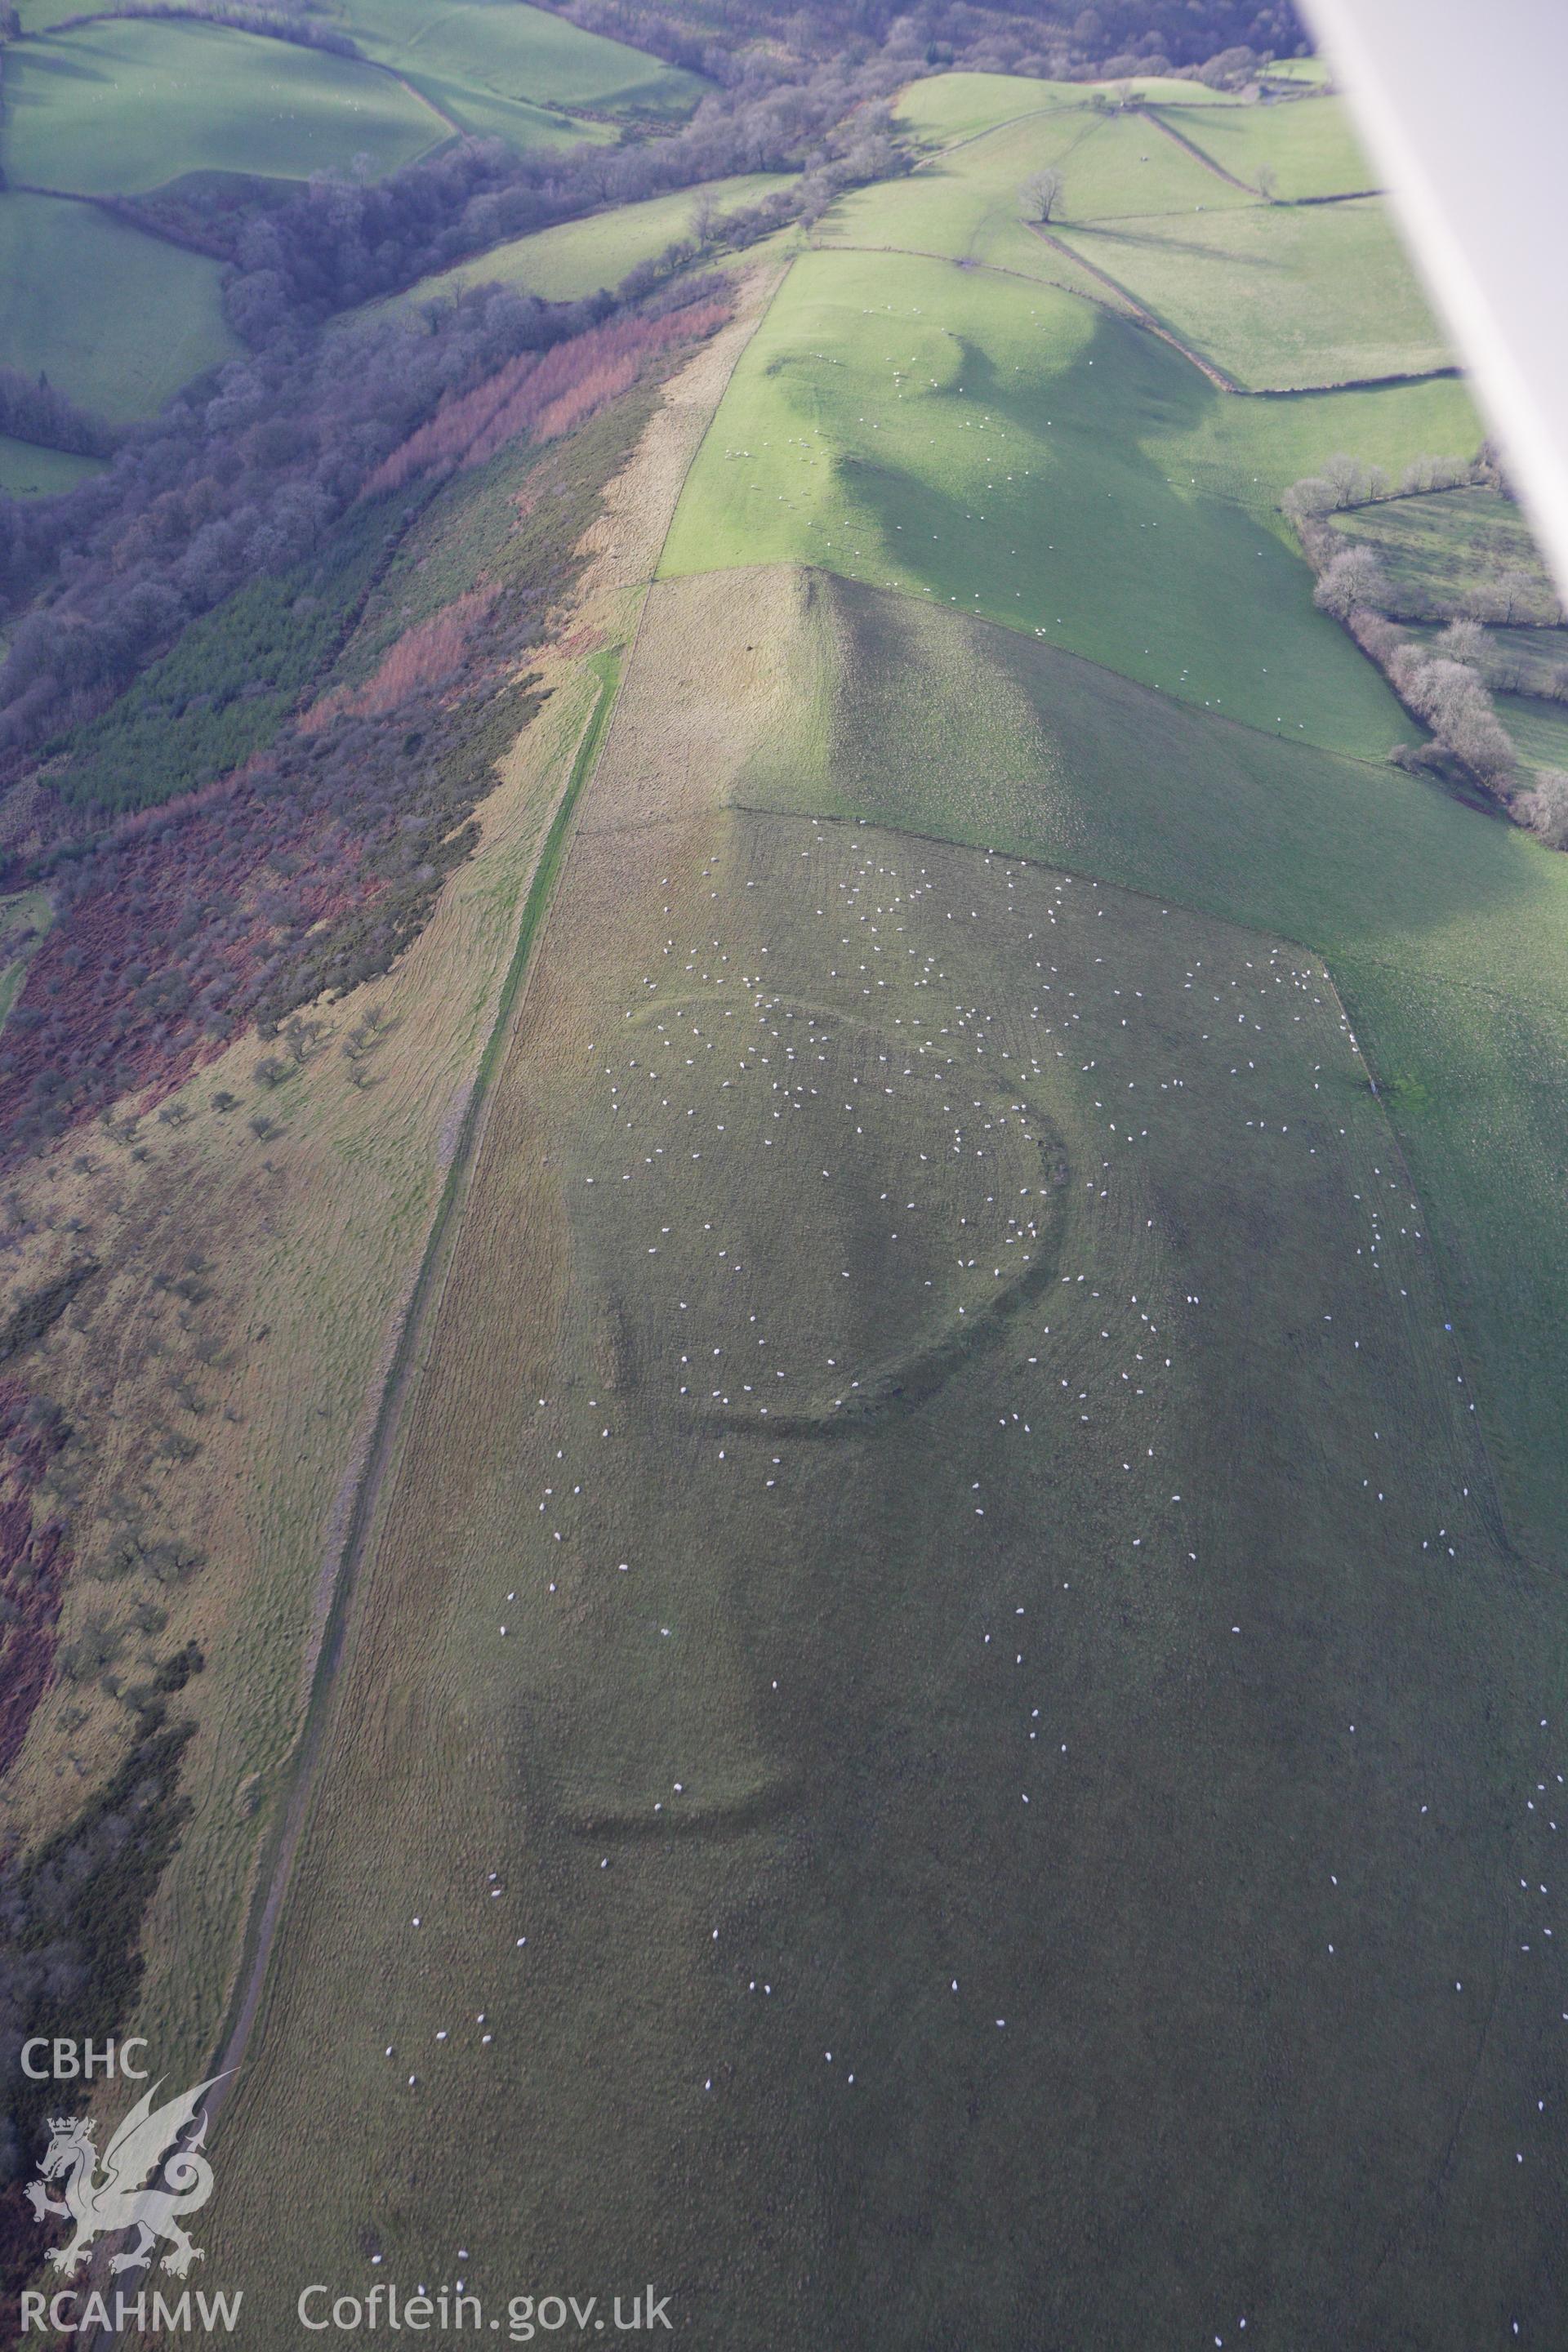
(1447, 932)
(27, 471)
(1014, 453)
(967, 202)
(119, 321)
(123, 107)
(1277, 296)
(905, 1611)
(947, 108)
(518, 53)
(1281, 297)
(579, 257)
(1307, 143)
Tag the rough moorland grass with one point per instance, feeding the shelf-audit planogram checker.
(119, 321)
(1440, 546)
(518, 53)
(1446, 932)
(1308, 144)
(123, 107)
(27, 471)
(1016, 453)
(1280, 297)
(578, 256)
(681, 1751)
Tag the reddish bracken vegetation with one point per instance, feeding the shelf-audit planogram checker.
(33, 1562)
(426, 655)
(542, 396)
(173, 937)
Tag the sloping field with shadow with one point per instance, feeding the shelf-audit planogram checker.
(871, 1867)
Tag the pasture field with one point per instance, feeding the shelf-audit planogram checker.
(966, 203)
(1445, 544)
(29, 471)
(1014, 453)
(1529, 664)
(518, 54)
(1314, 70)
(478, 113)
(119, 321)
(900, 1613)
(946, 108)
(1281, 297)
(1447, 932)
(122, 107)
(578, 256)
(1539, 727)
(1532, 661)
(1308, 144)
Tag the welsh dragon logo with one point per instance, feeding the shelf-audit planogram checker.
(150, 2178)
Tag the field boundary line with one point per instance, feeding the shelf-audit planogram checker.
(1286, 204)
(274, 1875)
(1190, 147)
(1142, 315)
(1134, 313)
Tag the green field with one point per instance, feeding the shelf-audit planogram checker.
(1314, 70)
(123, 107)
(1308, 144)
(904, 1613)
(1277, 297)
(578, 256)
(1439, 547)
(1539, 728)
(967, 202)
(119, 321)
(501, 50)
(1447, 932)
(945, 108)
(1013, 453)
(27, 471)
(1281, 297)
(1529, 661)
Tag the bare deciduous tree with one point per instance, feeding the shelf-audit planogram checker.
(1545, 810)
(1355, 578)
(1042, 192)
(1464, 641)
